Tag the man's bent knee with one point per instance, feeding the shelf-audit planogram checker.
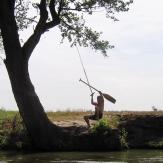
(85, 117)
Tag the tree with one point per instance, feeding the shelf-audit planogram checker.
(68, 15)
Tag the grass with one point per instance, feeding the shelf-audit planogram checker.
(69, 115)
(7, 114)
(13, 133)
(113, 115)
(6, 117)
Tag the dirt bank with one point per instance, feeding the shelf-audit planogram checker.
(142, 129)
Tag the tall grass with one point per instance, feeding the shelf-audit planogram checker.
(7, 114)
(13, 134)
(67, 115)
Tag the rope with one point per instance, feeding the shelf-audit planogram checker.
(83, 68)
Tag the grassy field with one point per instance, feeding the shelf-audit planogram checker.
(78, 115)
(7, 114)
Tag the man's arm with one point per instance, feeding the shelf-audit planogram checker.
(92, 102)
(101, 94)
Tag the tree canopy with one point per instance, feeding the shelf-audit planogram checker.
(69, 16)
(21, 10)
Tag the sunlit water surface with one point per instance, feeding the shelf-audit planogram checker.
(131, 156)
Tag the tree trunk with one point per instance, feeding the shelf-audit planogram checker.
(43, 133)
(40, 128)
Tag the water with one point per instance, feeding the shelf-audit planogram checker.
(131, 156)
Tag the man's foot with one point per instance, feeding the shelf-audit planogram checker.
(88, 126)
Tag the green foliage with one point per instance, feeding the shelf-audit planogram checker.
(4, 114)
(71, 15)
(101, 127)
(73, 26)
(156, 143)
(21, 14)
(123, 139)
(22, 17)
(13, 134)
(114, 121)
(4, 140)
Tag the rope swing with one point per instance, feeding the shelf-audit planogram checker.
(106, 96)
(84, 69)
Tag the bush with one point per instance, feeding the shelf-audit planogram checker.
(13, 133)
(123, 139)
(114, 121)
(101, 127)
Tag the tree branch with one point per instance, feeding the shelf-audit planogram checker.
(19, 4)
(60, 7)
(39, 30)
(41, 27)
(82, 10)
(55, 17)
(32, 20)
(79, 9)
(69, 26)
(52, 10)
(51, 25)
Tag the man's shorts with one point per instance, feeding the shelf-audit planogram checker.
(94, 117)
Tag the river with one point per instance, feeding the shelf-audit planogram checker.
(131, 156)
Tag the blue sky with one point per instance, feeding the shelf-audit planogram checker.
(133, 72)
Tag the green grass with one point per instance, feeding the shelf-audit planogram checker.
(67, 115)
(7, 114)
(6, 117)
(13, 133)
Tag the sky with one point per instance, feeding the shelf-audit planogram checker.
(132, 73)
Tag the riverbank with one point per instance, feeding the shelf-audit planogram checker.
(116, 131)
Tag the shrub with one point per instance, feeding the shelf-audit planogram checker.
(158, 143)
(114, 121)
(123, 139)
(101, 126)
(12, 132)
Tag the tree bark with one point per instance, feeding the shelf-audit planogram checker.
(40, 128)
(43, 133)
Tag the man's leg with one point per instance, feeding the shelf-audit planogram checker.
(86, 118)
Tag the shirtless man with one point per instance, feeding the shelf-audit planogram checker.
(99, 108)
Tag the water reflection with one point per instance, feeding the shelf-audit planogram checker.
(132, 156)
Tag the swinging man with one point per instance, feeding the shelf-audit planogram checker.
(99, 108)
